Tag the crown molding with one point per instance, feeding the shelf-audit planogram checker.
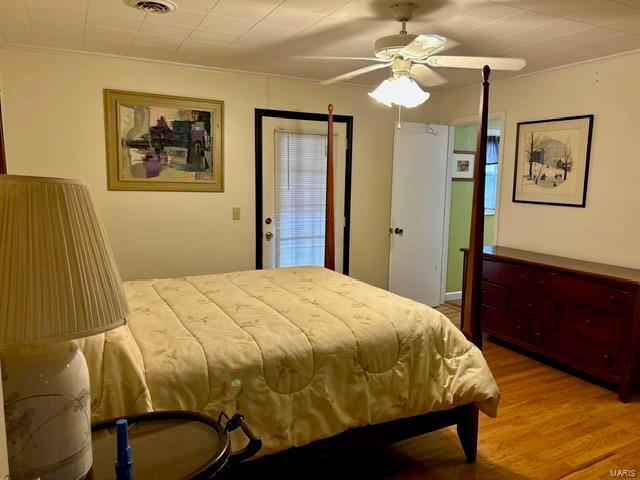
(613, 56)
(39, 48)
(209, 68)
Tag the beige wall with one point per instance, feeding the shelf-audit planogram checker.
(607, 230)
(54, 126)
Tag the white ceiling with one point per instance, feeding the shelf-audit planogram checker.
(266, 35)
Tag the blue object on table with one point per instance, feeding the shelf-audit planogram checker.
(124, 462)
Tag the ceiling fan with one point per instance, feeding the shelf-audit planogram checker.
(409, 58)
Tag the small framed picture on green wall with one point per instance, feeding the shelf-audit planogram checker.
(463, 166)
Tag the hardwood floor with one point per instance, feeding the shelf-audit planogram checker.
(455, 303)
(452, 311)
(551, 425)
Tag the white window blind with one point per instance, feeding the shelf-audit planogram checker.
(300, 203)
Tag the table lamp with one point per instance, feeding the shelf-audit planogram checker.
(58, 282)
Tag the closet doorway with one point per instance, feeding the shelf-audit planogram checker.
(291, 155)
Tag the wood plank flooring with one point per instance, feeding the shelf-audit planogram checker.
(551, 426)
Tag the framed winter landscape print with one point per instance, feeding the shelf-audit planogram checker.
(165, 143)
(552, 161)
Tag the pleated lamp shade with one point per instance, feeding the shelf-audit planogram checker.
(58, 277)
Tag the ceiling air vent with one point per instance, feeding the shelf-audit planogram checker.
(155, 6)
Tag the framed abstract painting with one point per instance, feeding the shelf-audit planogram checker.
(552, 161)
(163, 143)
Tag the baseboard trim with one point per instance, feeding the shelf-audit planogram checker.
(453, 296)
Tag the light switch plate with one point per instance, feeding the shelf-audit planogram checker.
(235, 213)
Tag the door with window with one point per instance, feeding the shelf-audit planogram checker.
(294, 166)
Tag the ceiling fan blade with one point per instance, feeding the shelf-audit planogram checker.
(496, 63)
(355, 73)
(449, 45)
(327, 57)
(426, 77)
(423, 46)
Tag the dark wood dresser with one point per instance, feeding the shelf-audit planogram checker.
(583, 315)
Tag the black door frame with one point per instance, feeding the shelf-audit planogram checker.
(260, 113)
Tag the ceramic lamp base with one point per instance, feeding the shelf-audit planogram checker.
(47, 410)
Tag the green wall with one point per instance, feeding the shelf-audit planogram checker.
(459, 229)
(465, 137)
(460, 213)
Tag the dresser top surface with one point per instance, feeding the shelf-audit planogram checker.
(572, 264)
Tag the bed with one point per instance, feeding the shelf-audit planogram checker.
(305, 353)
(310, 356)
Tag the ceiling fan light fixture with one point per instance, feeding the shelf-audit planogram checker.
(401, 90)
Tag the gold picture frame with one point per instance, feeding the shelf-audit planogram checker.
(163, 142)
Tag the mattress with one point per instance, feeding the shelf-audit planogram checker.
(304, 353)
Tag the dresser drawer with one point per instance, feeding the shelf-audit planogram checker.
(499, 321)
(581, 291)
(521, 303)
(506, 274)
(537, 332)
(494, 295)
(534, 306)
(590, 353)
(541, 281)
(591, 323)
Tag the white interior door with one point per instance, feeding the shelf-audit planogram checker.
(418, 211)
(294, 189)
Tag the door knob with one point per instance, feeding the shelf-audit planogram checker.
(398, 231)
(268, 236)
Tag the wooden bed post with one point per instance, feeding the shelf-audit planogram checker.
(473, 278)
(329, 229)
(468, 422)
(3, 160)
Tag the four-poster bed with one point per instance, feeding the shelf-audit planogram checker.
(299, 351)
(312, 358)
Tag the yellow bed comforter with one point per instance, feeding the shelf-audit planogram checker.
(304, 353)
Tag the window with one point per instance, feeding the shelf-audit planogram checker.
(300, 198)
(491, 171)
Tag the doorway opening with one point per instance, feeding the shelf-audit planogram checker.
(465, 133)
(290, 163)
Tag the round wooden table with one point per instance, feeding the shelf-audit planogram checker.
(170, 445)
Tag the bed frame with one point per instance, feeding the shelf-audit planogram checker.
(464, 417)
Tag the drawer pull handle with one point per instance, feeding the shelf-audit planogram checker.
(606, 357)
(612, 299)
(588, 322)
(523, 276)
(541, 282)
(518, 327)
(530, 305)
(538, 334)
